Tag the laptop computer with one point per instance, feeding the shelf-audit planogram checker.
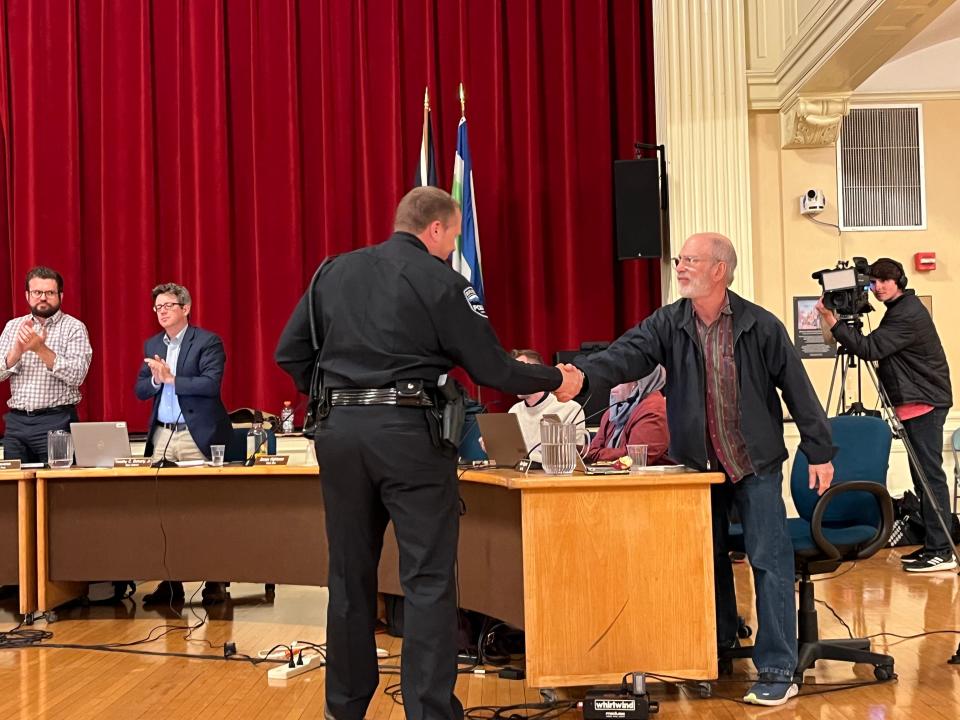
(502, 438)
(98, 444)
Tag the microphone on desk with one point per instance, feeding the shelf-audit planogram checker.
(164, 461)
(249, 461)
(262, 435)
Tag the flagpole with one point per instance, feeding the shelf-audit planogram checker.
(424, 161)
(465, 188)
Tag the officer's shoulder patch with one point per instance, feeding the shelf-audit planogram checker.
(473, 300)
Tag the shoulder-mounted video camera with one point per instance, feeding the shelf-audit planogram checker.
(845, 287)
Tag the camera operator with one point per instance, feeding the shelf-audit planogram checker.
(912, 368)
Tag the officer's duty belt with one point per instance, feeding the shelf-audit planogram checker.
(375, 396)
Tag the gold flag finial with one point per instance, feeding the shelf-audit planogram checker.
(463, 102)
(426, 97)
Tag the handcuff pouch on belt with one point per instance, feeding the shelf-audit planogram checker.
(411, 393)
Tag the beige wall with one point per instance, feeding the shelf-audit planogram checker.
(788, 247)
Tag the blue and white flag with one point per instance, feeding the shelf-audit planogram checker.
(466, 256)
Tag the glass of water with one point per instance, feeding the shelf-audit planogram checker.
(59, 449)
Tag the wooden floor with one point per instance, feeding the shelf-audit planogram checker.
(876, 596)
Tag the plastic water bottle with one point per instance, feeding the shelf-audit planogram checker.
(286, 417)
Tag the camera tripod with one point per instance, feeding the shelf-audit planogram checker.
(844, 363)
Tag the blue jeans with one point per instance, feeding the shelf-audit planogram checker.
(767, 541)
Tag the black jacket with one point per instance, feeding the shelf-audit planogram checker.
(394, 312)
(199, 376)
(912, 365)
(765, 359)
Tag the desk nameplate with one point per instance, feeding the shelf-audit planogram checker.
(133, 462)
(272, 459)
(9, 464)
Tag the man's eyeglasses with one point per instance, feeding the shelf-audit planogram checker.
(37, 294)
(688, 260)
(166, 306)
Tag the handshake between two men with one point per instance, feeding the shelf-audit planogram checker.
(572, 382)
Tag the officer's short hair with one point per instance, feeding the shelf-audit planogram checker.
(422, 206)
(178, 291)
(533, 355)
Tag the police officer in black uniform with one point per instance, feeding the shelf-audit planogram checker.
(392, 319)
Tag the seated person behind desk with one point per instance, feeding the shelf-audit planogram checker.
(181, 374)
(639, 418)
(531, 408)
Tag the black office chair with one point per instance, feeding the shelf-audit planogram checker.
(850, 522)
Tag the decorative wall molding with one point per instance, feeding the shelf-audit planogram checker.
(865, 98)
(813, 122)
(795, 43)
(830, 48)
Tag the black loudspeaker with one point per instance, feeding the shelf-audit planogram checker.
(639, 221)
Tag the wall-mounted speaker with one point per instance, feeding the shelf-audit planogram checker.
(638, 210)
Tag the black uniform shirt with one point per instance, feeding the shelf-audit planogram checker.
(394, 312)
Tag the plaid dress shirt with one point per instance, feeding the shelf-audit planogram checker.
(723, 395)
(32, 385)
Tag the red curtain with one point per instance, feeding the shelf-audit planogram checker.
(230, 145)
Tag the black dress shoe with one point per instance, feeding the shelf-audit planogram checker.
(214, 592)
(166, 592)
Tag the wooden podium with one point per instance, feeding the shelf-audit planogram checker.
(606, 574)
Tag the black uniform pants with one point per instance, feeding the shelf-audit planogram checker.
(378, 464)
(25, 438)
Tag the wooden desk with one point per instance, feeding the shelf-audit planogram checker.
(18, 535)
(610, 573)
(260, 524)
(607, 574)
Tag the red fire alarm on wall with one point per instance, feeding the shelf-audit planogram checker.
(924, 261)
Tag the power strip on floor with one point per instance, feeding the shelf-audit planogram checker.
(281, 673)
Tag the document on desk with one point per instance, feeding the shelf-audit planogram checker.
(190, 463)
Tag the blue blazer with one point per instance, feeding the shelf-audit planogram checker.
(199, 376)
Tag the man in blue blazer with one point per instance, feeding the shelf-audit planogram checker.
(182, 374)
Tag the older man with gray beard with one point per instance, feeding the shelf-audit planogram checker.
(725, 358)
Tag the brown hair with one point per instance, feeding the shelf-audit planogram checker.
(43, 273)
(178, 291)
(532, 354)
(422, 206)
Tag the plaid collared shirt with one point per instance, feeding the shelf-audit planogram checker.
(723, 395)
(32, 385)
